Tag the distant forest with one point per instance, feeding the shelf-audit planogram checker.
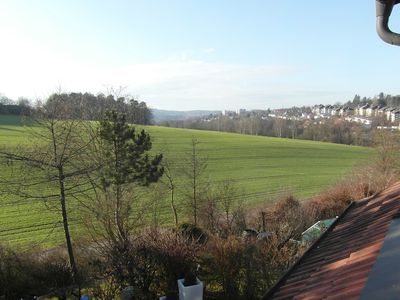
(381, 100)
(11, 109)
(85, 106)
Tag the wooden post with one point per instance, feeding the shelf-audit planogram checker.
(263, 220)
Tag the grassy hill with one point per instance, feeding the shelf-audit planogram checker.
(262, 167)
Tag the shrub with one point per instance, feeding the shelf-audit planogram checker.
(221, 264)
(29, 274)
(107, 289)
(236, 268)
(133, 265)
(175, 255)
(14, 282)
(364, 182)
(193, 233)
(222, 212)
(153, 262)
(285, 219)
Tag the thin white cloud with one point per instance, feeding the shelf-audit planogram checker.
(200, 85)
(179, 84)
(31, 68)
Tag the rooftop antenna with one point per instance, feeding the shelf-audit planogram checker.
(383, 11)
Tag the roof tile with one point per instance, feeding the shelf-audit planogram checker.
(338, 264)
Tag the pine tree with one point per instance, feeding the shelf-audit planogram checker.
(124, 161)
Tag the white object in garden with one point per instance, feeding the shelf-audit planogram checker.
(190, 292)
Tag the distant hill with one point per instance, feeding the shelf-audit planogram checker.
(169, 115)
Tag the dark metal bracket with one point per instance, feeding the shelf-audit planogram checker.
(383, 11)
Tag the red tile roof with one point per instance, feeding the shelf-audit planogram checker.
(338, 264)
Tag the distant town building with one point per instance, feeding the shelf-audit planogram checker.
(335, 111)
(389, 113)
(346, 111)
(317, 109)
(229, 113)
(395, 115)
(362, 110)
(372, 111)
(381, 111)
(242, 111)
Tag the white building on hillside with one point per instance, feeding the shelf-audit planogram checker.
(395, 115)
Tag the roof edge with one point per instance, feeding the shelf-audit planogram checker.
(313, 245)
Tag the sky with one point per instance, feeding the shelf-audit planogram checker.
(208, 54)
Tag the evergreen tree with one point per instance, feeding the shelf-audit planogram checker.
(124, 161)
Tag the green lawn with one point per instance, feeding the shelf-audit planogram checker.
(261, 166)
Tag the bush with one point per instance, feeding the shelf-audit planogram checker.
(107, 289)
(236, 268)
(285, 219)
(364, 182)
(14, 282)
(175, 254)
(221, 263)
(154, 261)
(134, 264)
(24, 275)
(222, 212)
(193, 233)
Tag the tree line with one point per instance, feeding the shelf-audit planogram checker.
(329, 130)
(11, 107)
(84, 106)
(382, 99)
(87, 106)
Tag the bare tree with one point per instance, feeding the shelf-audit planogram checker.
(51, 168)
(229, 196)
(387, 146)
(386, 162)
(279, 126)
(222, 211)
(171, 184)
(193, 170)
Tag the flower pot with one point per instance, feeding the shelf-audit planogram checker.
(191, 292)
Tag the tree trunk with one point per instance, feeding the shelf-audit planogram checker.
(194, 185)
(66, 226)
(117, 215)
(117, 212)
(173, 206)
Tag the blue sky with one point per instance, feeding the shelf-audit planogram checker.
(190, 54)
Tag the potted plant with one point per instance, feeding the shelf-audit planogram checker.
(190, 287)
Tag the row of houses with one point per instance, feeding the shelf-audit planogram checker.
(246, 113)
(390, 113)
(331, 110)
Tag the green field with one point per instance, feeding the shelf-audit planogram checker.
(262, 167)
